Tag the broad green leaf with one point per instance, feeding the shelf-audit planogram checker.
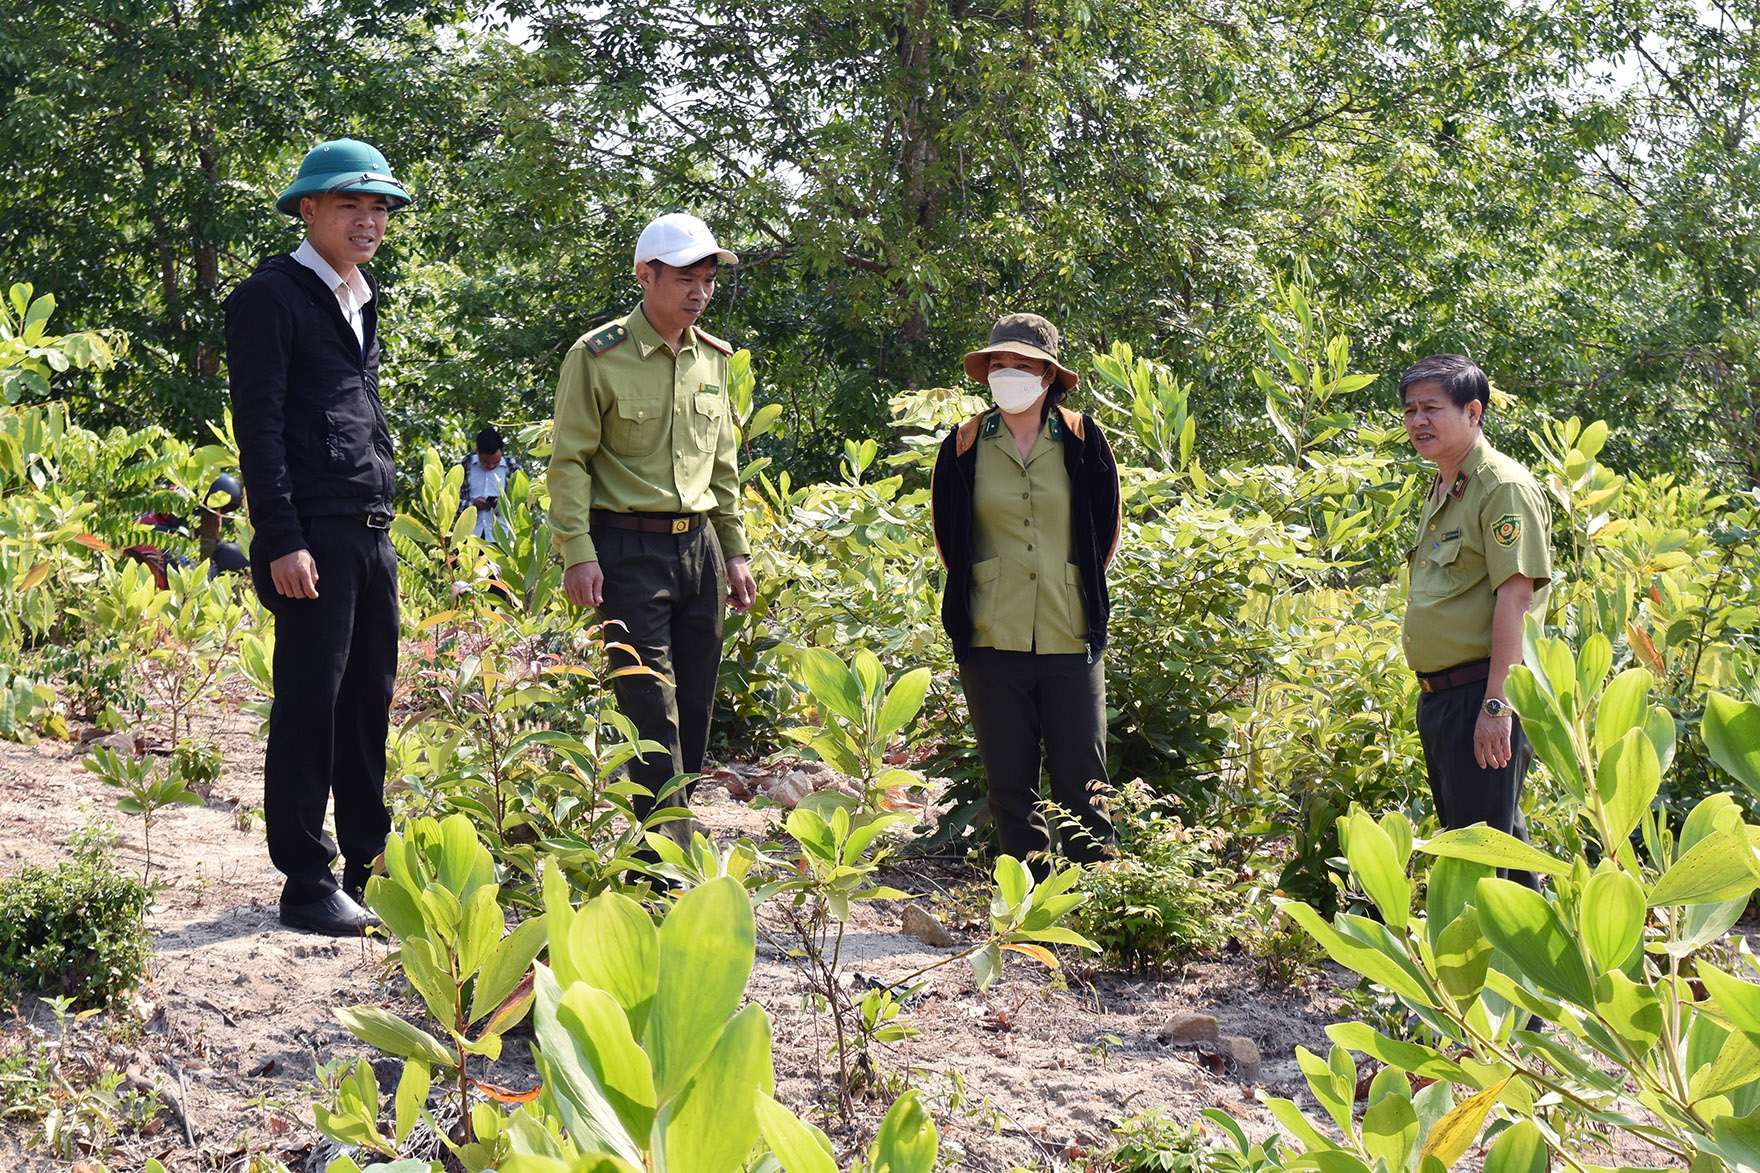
(1013, 882)
(617, 949)
(1390, 1125)
(1624, 707)
(479, 930)
(1593, 660)
(609, 1055)
(396, 907)
(1455, 1133)
(904, 701)
(711, 1124)
(568, 1068)
(831, 683)
(1375, 863)
(1715, 869)
(1525, 927)
(906, 1142)
(1736, 999)
(1371, 962)
(506, 967)
(1413, 1057)
(1520, 1148)
(1453, 883)
(1738, 1140)
(1632, 1010)
(1486, 845)
(412, 1097)
(1463, 954)
(1735, 1063)
(1610, 916)
(393, 1035)
(799, 1148)
(1333, 1082)
(707, 943)
(1731, 730)
(1627, 779)
(1545, 727)
(432, 977)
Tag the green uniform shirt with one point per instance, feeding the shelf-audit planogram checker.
(1490, 524)
(642, 430)
(1026, 593)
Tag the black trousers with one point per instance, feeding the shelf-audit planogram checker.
(668, 592)
(1027, 708)
(1464, 791)
(335, 667)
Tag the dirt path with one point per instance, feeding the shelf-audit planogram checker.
(242, 1008)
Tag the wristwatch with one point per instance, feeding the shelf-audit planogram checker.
(1493, 707)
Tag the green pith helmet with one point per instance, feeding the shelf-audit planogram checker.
(343, 164)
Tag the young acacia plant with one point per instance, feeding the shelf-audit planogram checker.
(147, 788)
(859, 716)
(440, 899)
(1651, 1027)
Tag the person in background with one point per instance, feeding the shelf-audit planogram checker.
(302, 355)
(1481, 565)
(486, 473)
(1025, 503)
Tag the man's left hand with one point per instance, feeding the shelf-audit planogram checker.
(1491, 741)
(742, 590)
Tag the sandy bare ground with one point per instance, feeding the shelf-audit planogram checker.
(240, 1008)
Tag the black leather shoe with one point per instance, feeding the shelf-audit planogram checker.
(355, 890)
(337, 915)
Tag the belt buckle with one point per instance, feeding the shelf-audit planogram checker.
(681, 525)
(378, 520)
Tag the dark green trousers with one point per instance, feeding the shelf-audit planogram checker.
(668, 592)
(1027, 709)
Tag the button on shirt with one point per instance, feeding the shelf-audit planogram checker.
(642, 429)
(352, 296)
(1474, 534)
(1026, 593)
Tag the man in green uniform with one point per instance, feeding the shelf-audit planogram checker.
(1481, 564)
(644, 493)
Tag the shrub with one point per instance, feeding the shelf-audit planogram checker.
(77, 931)
(1162, 900)
(1154, 1142)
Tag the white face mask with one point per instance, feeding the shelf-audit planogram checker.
(1015, 391)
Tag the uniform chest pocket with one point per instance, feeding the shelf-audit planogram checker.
(634, 425)
(706, 407)
(1446, 569)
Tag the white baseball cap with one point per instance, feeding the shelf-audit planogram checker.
(679, 238)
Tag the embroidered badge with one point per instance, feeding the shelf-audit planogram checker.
(1460, 486)
(1507, 530)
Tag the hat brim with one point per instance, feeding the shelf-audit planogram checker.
(978, 363)
(685, 257)
(316, 185)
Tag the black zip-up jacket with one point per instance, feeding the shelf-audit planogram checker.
(312, 436)
(1095, 519)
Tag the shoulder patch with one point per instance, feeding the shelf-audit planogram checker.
(1508, 530)
(605, 337)
(721, 344)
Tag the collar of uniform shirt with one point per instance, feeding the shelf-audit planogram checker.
(308, 256)
(648, 339)
(1469, 465)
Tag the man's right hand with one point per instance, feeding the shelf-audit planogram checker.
(584, 584)
(295, 575)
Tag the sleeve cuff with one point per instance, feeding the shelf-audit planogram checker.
(733, 540)
(578, 549)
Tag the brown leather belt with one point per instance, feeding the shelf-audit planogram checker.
(1454, 677)
(648, 523)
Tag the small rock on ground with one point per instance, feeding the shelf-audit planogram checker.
(1188, 1026)
(925, 928)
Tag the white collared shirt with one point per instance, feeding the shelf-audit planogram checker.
(352, 296)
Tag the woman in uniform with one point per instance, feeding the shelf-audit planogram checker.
(1025, 501)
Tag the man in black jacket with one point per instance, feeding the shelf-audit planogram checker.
(302, 351)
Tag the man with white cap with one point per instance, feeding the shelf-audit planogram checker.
(644, 493)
